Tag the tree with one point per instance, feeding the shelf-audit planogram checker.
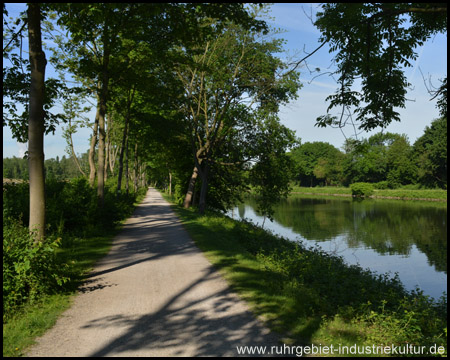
(431, 154)
(229, 80)
(16, 90)
(96, 38)
(383, 157)
(36, 125)
(104, 36)
(374, 41)
(315, 161)
(272, 172)
(401, 169)
(73, 111)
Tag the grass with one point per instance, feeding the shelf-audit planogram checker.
(31, 321)
(310, 297)
(404, 194)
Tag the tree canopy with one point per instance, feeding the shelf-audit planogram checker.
(374, 43)
(201, 80)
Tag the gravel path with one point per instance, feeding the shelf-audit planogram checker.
(154, 294)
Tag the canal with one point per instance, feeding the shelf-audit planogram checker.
(394, 236)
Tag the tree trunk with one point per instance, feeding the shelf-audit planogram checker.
(135, 169)
(101, 138)
(126, 163)
(101, 152)
(72, 149)
(36, 123)
(112, 158)
(107, 145)
(124, 141)
(204, 188)
(102, 118)
(92, 169)
(188, 198)
(142, 175)
(122, 152)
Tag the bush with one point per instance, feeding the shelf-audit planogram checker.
(381, 185)
(29, 269)
(16, 200)
(361, 189)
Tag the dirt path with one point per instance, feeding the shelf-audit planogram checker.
(154, 294)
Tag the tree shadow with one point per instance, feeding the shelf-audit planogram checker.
(212, 325)
(202, 318)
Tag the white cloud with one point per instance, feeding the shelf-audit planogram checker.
(22, 148)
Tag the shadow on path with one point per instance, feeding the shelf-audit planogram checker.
(197, 316)
(183, 326)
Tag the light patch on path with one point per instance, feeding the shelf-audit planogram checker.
(154, 294)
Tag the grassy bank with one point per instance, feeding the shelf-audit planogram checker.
(311, 297)
(76, 240)
(403, 194)
(32, 319)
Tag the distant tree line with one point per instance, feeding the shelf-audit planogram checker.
(386, 159)
(57, 169)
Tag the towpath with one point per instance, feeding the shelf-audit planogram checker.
(154, 294)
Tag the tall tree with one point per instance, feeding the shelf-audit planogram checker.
(36, 125)
(229, 79)
(96, 31)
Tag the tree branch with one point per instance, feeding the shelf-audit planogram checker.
(15, 35)
(297, 63)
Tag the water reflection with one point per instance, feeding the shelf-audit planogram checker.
(405, 237)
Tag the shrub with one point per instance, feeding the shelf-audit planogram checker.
(77, 204)
(361, 189)
(381, 185)
(29, 269)
(16, 200)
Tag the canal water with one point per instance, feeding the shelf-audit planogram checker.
(386, 236)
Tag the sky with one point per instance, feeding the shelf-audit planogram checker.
(301, 38)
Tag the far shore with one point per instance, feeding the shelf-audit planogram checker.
(436, 195)
(371, 197)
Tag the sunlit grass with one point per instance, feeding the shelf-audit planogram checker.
(310, 297)
(437, 194)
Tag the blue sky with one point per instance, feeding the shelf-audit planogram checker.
(300, 114)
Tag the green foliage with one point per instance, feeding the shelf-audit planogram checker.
(372, 42)
(409, 322)
(381, 185)
(362, 189)
(302, 291)
(234, 84)
(70, 206)
(430, 152)
(271, 175)
(317, 162)
(16, 85)
(384, 159)
(56, 169)
(30, 269)
(16, 198)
